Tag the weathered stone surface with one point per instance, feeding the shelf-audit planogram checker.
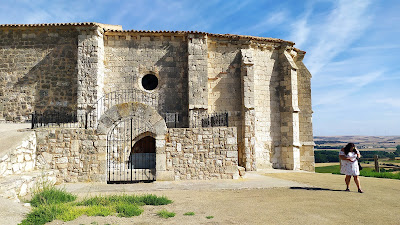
(189, 158)
(262, 84)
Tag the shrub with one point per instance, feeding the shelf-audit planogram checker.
(51, 195)
(209, 217)
(189, 214)
(165, 214)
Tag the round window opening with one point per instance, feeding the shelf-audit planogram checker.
(149, 82)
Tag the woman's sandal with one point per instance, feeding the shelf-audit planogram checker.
(360, 191)
(347, 189)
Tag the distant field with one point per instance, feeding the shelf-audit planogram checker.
(363, 149)
(364, 143)
(368, 171)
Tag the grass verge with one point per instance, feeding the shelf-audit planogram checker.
(366, 172)
(51, 203)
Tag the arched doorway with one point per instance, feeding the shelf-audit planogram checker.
(128, 160)
(143, 154)
(125, 125)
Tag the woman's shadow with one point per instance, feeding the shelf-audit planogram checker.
(314, 189)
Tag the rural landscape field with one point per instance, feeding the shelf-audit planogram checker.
(370, 143)
(385, 148)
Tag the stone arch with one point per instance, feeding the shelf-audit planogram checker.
(147, 115)
(132, 109)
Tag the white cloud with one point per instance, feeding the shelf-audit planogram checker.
(375, 47)
(393, 102)
(301, 34)
(336, 89)
(326, 38)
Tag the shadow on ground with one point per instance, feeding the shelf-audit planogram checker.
(315, 189)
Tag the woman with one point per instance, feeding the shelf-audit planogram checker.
(349, 165)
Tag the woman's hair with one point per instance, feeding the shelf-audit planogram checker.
(347, 149)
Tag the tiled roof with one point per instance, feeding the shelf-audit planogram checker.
(49, 24)
(106, 26)
(235, 36)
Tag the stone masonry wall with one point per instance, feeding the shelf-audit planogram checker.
(266, 105)
(202, 153)
(224, 81)
(130, 57)
(37, 71)
(21, 159)
(90, 63)
(307, 161)
(78, 154)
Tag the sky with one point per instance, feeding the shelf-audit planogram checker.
(351, 45)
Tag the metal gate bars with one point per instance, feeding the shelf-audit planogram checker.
(131, 152)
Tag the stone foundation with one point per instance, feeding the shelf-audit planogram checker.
(78, 154)
(202, 153)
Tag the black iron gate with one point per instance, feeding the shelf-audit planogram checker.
(131, 152)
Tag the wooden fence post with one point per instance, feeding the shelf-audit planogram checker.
(376, 164)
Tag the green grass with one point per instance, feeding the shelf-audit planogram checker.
(328, 169)
(209, 217)
(50, 203)
(165, 214)
(189, 214)
(365, 172)
(51, 195)
(128, 210)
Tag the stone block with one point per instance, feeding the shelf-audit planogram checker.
(20, 158)
(231, 154)
(161, 162)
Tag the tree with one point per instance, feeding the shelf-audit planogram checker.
(397, 152)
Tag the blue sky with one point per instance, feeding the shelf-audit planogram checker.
(352, 45)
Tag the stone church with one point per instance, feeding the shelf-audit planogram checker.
(115, 105)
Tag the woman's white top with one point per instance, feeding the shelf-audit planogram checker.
(348, 167)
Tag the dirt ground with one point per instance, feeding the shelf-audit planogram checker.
(322, 202)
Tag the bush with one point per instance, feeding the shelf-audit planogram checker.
(189, 214)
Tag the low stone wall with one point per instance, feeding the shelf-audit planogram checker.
(21, 159)
(191, 153)
(202, 153)
(78, 154)
(16, 186)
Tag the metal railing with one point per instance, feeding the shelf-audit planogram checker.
(56, 119)
(216, 120)
(89, 118)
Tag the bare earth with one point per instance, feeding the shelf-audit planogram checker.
(310, 199)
